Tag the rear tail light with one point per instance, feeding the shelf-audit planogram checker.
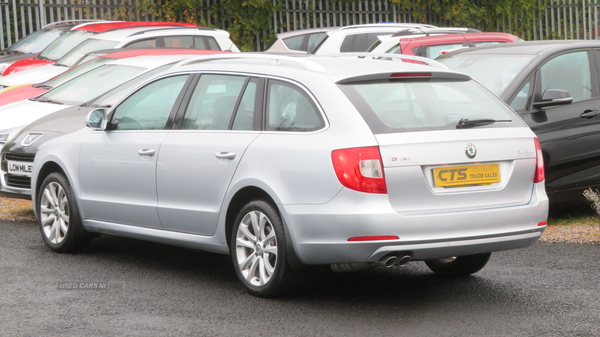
(360, 169)
(539, 163)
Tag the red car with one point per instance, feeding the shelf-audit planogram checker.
(433, 46)
(32, 90)
(78, 34)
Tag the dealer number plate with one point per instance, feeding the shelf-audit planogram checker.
(472, 175)
(20, 168)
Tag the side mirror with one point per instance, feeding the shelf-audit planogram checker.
(552, 97)
(97, 119)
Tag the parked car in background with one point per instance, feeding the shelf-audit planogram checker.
(284, 162)
(330, 40)
(22, 142)
(81, 89)
(131, 38)
(554, 87)
(59, 47)
(93, 60)
(386, 43)
(34, 43)
(431, 46)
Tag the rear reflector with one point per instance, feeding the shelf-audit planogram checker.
(543, 223)
(374, 238)
(410, 75)
(360, 169)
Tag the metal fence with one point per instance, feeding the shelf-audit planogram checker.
(556, 19)
(559, 19)
(19, 18)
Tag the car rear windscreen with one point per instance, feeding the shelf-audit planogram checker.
(427, 104)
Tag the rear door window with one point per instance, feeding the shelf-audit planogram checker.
(221, 102)
(148, 43)
(359, 42)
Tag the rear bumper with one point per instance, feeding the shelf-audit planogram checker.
(320, 233)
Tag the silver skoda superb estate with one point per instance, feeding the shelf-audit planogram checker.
(285, 162)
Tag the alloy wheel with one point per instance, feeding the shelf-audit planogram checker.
(256, 248)
(54, 213)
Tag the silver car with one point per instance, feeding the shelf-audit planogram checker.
(285, 162)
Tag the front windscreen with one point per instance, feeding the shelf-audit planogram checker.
(92, 84)
(417, 105)
(76, 71)
(36, 42)
(63, 44)
(87, 46)
(495, 72)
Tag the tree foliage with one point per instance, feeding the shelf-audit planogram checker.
(247, 19)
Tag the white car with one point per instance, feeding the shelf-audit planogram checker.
(332, 40)
(133, 38)
(284, 162)
(82, 88)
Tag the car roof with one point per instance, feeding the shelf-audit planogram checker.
(374, 28)
(126, 53)
(466, 36)
(122, 34)
(528, 48)
(112, 25)
(352, 27)
(155, 60)
(436, 30)
(67, 24)
(337, 67)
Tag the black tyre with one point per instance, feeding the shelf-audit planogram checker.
(59, 219)
(258, 250)
(459, 265)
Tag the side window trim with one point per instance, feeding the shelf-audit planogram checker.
(185, 100)
(236, 105)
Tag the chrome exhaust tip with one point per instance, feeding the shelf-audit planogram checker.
(403, 260)
(387, 261)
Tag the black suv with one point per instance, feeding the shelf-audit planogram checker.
(555, 88)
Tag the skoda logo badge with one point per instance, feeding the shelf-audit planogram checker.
(470, 150)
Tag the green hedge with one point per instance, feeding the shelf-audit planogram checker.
(247, 19)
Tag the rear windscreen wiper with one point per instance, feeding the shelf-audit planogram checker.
(464, 123)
